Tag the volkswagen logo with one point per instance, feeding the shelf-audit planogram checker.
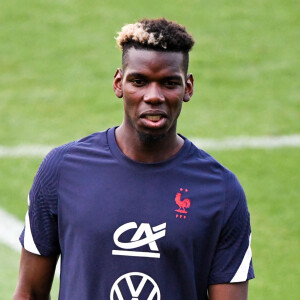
(123, 288)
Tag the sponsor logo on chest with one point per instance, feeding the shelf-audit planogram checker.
(151, 235)
(123, 283)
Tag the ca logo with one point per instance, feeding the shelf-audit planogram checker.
(152, 234)
(124, 283)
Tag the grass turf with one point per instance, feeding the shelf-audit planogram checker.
(57, 59)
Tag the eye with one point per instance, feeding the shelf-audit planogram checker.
(138, 82)
(172, 83)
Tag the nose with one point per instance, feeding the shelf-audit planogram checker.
(153, 94)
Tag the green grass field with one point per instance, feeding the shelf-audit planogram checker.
(57, 59)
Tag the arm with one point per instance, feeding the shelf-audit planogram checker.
(228, 291)
(35, 277)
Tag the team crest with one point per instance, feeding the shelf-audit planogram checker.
(183, 204)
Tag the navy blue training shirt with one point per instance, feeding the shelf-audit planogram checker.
(132, 230)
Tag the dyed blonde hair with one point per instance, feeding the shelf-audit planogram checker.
(156, 34)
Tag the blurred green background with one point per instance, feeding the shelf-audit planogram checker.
(57, 60)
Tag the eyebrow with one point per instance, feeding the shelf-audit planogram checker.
(136, 74)
(174, 77)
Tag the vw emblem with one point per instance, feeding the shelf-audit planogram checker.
(125, 283)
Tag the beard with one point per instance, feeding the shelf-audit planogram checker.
(149, 139)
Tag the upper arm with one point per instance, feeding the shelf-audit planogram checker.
(232, 260)
(35, 276)
(39, 238)
(228, 291)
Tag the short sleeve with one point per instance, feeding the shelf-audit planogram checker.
(232, 260)
(40, 234)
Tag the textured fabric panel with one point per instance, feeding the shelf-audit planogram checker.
(43, 200)
(234, 239)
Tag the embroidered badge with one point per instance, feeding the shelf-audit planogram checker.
(183, 204)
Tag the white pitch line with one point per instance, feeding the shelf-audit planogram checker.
(24, 151)
(236, 143)
(10, 230)
(229, 143)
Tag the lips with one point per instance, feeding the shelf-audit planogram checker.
(153, 119)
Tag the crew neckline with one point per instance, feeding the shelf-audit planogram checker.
(123, 159)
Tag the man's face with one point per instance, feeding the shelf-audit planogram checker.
(153, 87)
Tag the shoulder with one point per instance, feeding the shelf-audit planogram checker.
(51, 163)
(201, 155)
(91, 141)
(232, 188)
(210, 164)
(49, 169)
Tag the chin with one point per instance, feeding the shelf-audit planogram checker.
(147, 138)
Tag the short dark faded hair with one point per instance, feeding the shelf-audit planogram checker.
(155, 34)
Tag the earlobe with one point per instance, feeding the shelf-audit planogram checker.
(117, 83)
(189, 88)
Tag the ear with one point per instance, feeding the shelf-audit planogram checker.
(189, 88)
(117, 83)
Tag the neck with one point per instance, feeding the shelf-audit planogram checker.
(147, 150)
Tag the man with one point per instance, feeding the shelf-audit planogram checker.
(137, 211)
